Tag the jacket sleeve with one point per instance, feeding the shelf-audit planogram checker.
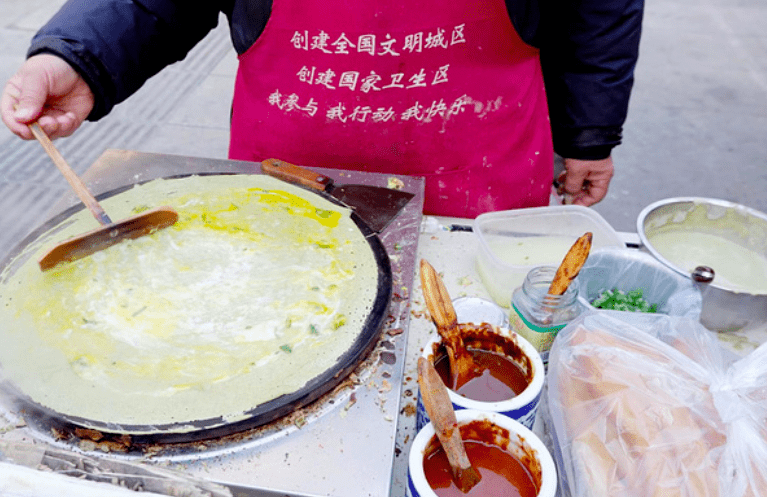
(589, 49)
(116, 45)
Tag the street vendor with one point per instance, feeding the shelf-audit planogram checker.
(451, 91)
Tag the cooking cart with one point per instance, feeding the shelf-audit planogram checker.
(354, 440)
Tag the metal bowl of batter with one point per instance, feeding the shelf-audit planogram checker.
(703, 238)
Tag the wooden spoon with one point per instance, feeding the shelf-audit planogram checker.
(110, 233)
(443, 314)
(571, 265)
(440, 410)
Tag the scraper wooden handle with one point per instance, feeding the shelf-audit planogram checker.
(74, 180)
(296, 175)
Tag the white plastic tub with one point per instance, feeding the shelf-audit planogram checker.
(513, 242)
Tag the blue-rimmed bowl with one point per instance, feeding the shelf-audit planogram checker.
(524, 406)
(512, 437)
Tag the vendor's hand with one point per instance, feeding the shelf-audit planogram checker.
(49, 90)
(585, 182)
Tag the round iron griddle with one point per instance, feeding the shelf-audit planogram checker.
(44, 418)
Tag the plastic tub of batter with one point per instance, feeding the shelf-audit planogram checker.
(513, 242)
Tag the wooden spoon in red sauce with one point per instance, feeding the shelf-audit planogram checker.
(440, 410)
(503, 474)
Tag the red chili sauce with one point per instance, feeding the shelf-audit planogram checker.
(496, 377)
(503, 474)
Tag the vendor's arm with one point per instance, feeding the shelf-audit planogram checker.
(112, 46)
(589, 49)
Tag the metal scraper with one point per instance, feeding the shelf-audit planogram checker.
(375, 205)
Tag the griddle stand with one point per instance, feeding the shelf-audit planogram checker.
(346, 444)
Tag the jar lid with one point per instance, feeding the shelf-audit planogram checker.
(478, 310)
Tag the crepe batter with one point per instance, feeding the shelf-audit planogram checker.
(258, 288)
(736, 267)
(523, 253)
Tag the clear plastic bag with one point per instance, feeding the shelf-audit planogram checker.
(653, 405)
(627, 270)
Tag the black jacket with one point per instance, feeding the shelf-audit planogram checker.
(588, 50)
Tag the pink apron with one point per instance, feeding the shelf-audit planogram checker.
(443, 90)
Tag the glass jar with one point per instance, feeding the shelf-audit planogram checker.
(538, 316)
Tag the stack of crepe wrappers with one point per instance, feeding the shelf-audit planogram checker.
(653, 405)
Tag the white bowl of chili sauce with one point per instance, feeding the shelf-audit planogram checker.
(511, 378)
(509, 457)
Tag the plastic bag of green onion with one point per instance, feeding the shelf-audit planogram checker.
(617, 300)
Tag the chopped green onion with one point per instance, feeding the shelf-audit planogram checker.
(617, 300)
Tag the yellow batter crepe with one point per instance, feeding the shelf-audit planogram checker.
(258, 288)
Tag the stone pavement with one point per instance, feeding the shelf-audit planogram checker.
(697, 124)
